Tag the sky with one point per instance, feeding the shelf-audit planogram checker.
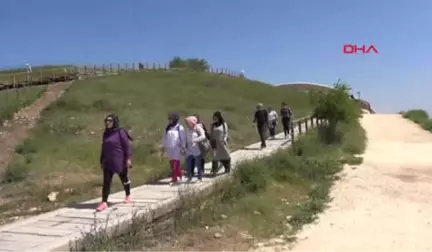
(275, 41)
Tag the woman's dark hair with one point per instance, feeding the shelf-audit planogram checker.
(174, 117)
(220, 119)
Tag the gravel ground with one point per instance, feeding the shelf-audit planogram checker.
(383, 204)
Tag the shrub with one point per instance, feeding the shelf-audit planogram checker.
(335, 106)
(417, 115)
(195, 64)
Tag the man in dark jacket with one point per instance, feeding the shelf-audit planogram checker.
(286, 115)
(261, 120)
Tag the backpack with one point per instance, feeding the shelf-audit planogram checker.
(123, 144)
(286, 113)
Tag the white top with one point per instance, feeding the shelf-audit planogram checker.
(173, 142)
(272, 115)
(193, 137)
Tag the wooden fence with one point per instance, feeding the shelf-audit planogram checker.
(49, 76)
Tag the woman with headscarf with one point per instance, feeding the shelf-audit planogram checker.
(174, 144)
(219, 142)
(115, 158)
(194, 135)
(201, 123)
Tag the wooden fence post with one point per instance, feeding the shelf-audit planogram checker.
(306, 125)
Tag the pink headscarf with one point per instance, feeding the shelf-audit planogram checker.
(191, 121)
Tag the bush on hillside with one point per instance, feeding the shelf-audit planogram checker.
(335, 106)
(416, 115)
(195, 64)
(419, 116)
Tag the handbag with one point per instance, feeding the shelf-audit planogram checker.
(204, 146)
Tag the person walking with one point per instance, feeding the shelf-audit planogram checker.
(219, 143)
(261, 120)
(194, 135)
(273, 116)
(286, 115)
(201, 123)
(115, 158)
(174, 145)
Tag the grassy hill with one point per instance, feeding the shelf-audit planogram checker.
(305, 87)
(62, 153)
(12, 101)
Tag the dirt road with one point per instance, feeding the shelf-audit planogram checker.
(385, 203)
(24, 120)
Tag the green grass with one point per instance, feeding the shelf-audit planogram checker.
(62, 152)
(420, 117)
(266, 198)
(12, 101)
(20, 75)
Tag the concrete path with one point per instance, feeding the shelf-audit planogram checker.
(385, 203)
(54, 230)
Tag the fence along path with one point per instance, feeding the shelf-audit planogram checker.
(57, 229)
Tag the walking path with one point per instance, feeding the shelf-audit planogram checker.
(24, 120)
(54, 230)
(385, 203)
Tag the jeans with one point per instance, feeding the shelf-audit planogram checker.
(202, 166)
(286, 125)
(191, 163)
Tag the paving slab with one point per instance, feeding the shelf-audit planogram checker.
(53, 231)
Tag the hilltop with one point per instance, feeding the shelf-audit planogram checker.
(61, 155)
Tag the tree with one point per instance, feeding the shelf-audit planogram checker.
(193, 64)
(335, 106)
(177, 62)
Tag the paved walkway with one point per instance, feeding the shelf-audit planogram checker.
(54, 230)
(385, 203)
